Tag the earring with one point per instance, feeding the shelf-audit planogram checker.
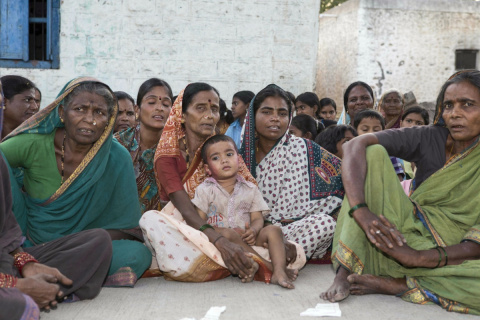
(61, 120)
(182, 121)
(94, 123)
(136, 116)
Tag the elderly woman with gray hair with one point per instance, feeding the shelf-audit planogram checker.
(77, 177)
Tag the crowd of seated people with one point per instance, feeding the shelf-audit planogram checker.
(98, 189)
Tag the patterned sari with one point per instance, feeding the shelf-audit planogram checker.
(442, 211)
(302, 185)
(143, 167)
(182, 252)
(100, 193)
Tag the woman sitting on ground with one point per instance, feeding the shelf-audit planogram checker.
(154, 101)
(334, 137)
(391, 106)
(77, 177)
(357, 97)
(298, 179)
(19, 103)
(185, 248)
(424, 248)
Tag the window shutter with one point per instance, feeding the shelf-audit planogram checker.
(14, 29)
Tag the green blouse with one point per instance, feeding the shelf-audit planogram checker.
(35, 153)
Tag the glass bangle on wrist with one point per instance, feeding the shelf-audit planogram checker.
(21, 259)
(358, 206)
(205, 226)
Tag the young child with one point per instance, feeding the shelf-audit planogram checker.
(332, 138)
(303, 126)
(236, 209)
(414, 116)
(370, 121)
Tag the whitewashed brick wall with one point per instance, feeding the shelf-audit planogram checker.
(233, 45)
(405, 44)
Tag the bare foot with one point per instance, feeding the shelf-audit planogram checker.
(370, 284)
(292, 274)
(254, 271)
(340, 288)
(280, 277)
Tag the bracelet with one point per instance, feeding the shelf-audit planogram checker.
(446, 255)
(439, 258)
(358, 206)
(217, 239)
(204, 227)
(21, 259)
(7, 281)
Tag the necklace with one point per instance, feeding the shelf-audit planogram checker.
(63, 155)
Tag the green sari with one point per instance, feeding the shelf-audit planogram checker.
(101, 193)
(442, 211)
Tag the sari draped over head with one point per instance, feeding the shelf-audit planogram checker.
(184, 253)
(442, 211)
(100, 193)
(298, 179)
(395, 123)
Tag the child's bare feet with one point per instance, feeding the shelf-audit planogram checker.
(281, 278)
(292, 274)
(254, 271)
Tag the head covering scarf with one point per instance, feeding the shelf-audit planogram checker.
(169, 146)
(395, 123)
(296, 176)
(100, 193)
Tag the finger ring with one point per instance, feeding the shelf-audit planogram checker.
(378, 232)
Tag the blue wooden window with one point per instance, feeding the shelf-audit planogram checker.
(30, 34)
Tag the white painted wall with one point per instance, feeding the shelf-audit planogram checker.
(405, 44)
(233, 45)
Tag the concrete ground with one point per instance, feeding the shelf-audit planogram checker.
(156, 298)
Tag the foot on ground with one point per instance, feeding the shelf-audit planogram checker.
(340, 288)
(370, 284)
(292, 274)
(281, 278)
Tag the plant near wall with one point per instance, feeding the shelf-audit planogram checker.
(329, 4)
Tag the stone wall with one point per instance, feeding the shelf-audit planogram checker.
(405, 44)
(233, 45)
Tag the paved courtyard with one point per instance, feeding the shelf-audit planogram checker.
(156, 298)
